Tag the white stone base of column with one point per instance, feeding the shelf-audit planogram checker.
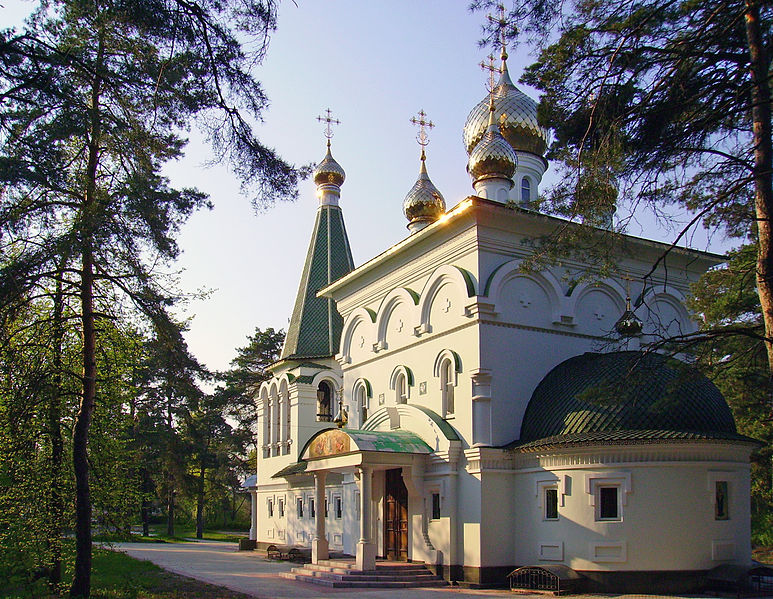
(319, 550)
(366, 556)
(253, 534)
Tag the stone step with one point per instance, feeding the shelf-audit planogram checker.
(359, 584)
(350, 565)
(364, 576)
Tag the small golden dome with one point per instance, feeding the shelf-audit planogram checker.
(492, 157)
(516, 114)
(329, 171)
(424, 203)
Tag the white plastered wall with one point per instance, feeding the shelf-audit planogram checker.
(667, 519)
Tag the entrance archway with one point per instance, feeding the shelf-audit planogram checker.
(395, 516)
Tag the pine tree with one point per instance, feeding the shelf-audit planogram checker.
(94, 95)
(667, 102)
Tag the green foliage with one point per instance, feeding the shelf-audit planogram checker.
(248, 370)
(650, 104)
(118, 576)
(95, 98)
(734, 357)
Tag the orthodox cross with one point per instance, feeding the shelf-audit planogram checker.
(489, 66)
(500, 25)
(627, 280)
(422, 137)
(329, 120)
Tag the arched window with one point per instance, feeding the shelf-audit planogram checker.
(324, 404)
(362, 403)
(284, 405)
(525, 191)
(401, 389)
(447, 367)
(266, 426)
(447, 384)
(401, 381)
(288, 424)
(276, 421)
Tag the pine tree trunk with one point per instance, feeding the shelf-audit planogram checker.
(81, 584)
(55, 491)
(763, 177)
(145, 505)
(170, 506)
(200, 504)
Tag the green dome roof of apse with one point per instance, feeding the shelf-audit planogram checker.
(625, 396)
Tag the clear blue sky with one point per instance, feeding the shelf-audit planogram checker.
(375, 63)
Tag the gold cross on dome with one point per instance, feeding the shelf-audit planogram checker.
(329, 120)
(627, 280)
(422, 137)
(500, 26)
(489, 66)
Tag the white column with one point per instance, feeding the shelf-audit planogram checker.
(366, 549)
(319, 546)
(254, 516)
(453, 524)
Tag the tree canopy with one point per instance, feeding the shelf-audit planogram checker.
(95, 97)
(658, 103)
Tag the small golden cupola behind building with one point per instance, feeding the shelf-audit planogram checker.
(424, 204)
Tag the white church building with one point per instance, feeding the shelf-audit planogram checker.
(442, 404)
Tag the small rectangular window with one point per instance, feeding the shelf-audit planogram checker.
(281, 506)
(312, 511)
(300, 507)
(435, 506)
(721, 497)
(608, 506)
(339, 509)
(551, 504)
(270, 508)
(326, 512)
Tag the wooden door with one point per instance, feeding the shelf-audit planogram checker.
(395, 516)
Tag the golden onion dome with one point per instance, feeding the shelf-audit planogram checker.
(424, 203)
(516, 114)
(492, 157)
(329, 171)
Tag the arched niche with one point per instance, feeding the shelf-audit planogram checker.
(663, 314)
(531, 298)
(357, 336)
(597, 306)
(444, 298)
(396, 318)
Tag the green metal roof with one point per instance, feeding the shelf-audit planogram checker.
(627, 438)
(294, 468)
(625, 396)
(447, 430)
(389, 441)
(315, 325)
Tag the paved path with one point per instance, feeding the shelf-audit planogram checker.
(247, 572)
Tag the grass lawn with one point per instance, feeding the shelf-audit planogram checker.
(158, 533)
(117, 576)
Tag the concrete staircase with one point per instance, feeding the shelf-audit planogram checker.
(387, 575)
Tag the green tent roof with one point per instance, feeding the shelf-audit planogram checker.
(625, 396)
(315, 326)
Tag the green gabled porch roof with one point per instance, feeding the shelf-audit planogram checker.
(315, 325)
